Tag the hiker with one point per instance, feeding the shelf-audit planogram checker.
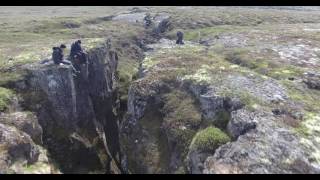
(77, 56)
(147, 20)
(58, 56)
(180, 38)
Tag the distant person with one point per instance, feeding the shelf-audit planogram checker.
(180, 38)
(77, 55)
(147, 20)
(77, 51)
(58, 56)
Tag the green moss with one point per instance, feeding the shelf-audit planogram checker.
(194, 35)
(222, 119)
(245, 58)
(202, 75)
(303, 96)
(209, 139)
(182, 119)
(90, 43)
(34, 41)
(310, 124)
(245, 98)
(149, 62)
(29, 168)
(250, 101)
(302, 130)
(183, 138)
(36, 168)
(285, 72)
(125, 81)
(238, 56)
(5, 98)
(7, 77)
(181, 110)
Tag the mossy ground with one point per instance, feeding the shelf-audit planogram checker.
(182, 110)
(182, 119)
(193, 63)
(303, 96)
(262, 65)
(30, 39)
(211, 66)
(5, 98)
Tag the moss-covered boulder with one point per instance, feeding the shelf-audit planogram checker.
(209, 139)
(204, 144)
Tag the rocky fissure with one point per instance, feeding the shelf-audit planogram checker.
(181, 144)
(77, 116)
(164, 116)
(168, 126)
(188, 109)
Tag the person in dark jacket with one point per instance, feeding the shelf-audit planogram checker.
(180, 38)
(58, 55)
(77, 55)
(75, 48)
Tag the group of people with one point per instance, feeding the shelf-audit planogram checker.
(76, 58)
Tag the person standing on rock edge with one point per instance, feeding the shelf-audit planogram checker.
(77, 55)
(58, 57)
(180, 38)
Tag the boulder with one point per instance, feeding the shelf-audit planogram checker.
(312, 80)
(268, 148)
(26, 122)
(16, 146)
(241, 122)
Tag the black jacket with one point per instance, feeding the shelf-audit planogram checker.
(75, 49)
(57, 55)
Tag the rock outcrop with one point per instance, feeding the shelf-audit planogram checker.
(161, 21)
(158, 134)
(21, 148)
(26, 122)
(16, 146)
(312, 80)
(266, 147)
(164, 114)
(77, 113)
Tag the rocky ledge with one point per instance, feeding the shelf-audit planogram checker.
(195, 112)
(73, 117)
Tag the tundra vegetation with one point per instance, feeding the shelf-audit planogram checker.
(244, 86)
